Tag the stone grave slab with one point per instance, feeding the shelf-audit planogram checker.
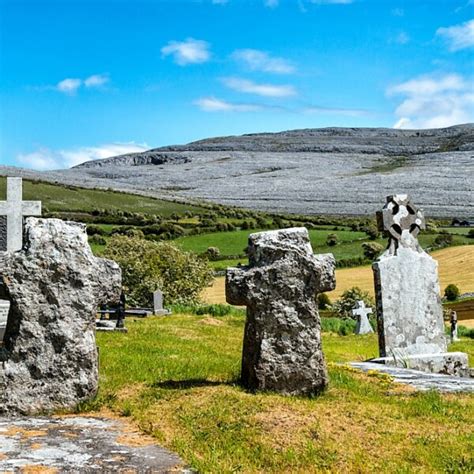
(4, 310)
(80, 444)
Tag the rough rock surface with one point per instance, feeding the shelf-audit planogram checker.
(409, 311)
(54, 285)
(282, 341)
(420, 380)
(80, 445)
(313, 171)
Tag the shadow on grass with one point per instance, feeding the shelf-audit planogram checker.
(191, 383)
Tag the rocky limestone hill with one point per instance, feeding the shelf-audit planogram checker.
(311, 171)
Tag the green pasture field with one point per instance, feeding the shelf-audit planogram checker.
(58, 198)
(177, 378)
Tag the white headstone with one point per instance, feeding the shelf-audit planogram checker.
(158, 304)
(14, 208)
(363, 323)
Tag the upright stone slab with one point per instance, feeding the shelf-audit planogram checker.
(363, 323)
(4, 310)
(54, 285)
(158, 309)
(409, 311)
(282, 342)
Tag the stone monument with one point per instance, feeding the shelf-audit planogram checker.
(363, 323)
(54, 285)
(409, 311)
(158, 309)
(4, 310)
(14, 208)
(282, 341)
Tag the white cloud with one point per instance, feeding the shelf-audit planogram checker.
(336, 111)
(434, 101)
(186, 52)
(459, 36)
(69, 85)
(96, 80)
(47, 159)
(402, 38)
(271, 3)
(212, 104)
(257, 60)
(266, 90)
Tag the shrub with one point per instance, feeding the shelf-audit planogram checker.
(323, 301)
(97, 240)
(470, 234)
(147, 266)
(343, 306)
(212, 253)
(372, 250)
(343, 327)
(451, 292)
(371, 231)
(95, 230)
(332, 240)
(443, 239)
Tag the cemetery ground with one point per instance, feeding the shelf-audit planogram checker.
(177, 378)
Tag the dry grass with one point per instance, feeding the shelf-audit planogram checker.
(456, 265)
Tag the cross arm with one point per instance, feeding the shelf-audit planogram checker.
(324, 265)
(236, 286)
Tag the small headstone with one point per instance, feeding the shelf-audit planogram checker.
(158, 309)
(409, 310)
(4, 310)
(282, 341)
(363, 323)
(14, 209)
(454, 326)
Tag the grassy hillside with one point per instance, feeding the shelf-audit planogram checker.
(177, 378)
(58, 198)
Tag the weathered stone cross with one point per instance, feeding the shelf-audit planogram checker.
(15, 208)
(363, 324)
(282, 341)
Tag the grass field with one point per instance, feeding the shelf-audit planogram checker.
(69, 199)
(350, 243)
(456, 265)
(176, 377)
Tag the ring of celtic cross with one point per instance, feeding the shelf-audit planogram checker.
(400, 214)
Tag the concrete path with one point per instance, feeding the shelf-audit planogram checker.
(80, 444)
(420, 380)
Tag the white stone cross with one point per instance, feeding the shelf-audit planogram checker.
(363, 323)
(15, 208)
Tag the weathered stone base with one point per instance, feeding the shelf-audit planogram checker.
(448, 363)
(421, 381)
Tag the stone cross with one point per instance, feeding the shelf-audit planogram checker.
(402, 221)
(14, 208)
(409, 312)
(363, 323)
(282, 341)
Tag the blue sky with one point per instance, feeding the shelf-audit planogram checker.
(84, 79)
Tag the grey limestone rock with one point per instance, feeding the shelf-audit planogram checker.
(282, 342)
(54, 284)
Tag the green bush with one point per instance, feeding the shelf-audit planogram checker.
(372, 250)
(443, 239)
(343, 306)
(451, 292)
(470, 234)
(343, 327)
(96, 239)
(332, 240)
(323, 301)
(147, 266)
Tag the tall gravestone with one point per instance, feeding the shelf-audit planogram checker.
(54, 285)
(409, 311)
(282, 342)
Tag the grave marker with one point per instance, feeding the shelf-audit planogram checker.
(14, 208)
(363, 323)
